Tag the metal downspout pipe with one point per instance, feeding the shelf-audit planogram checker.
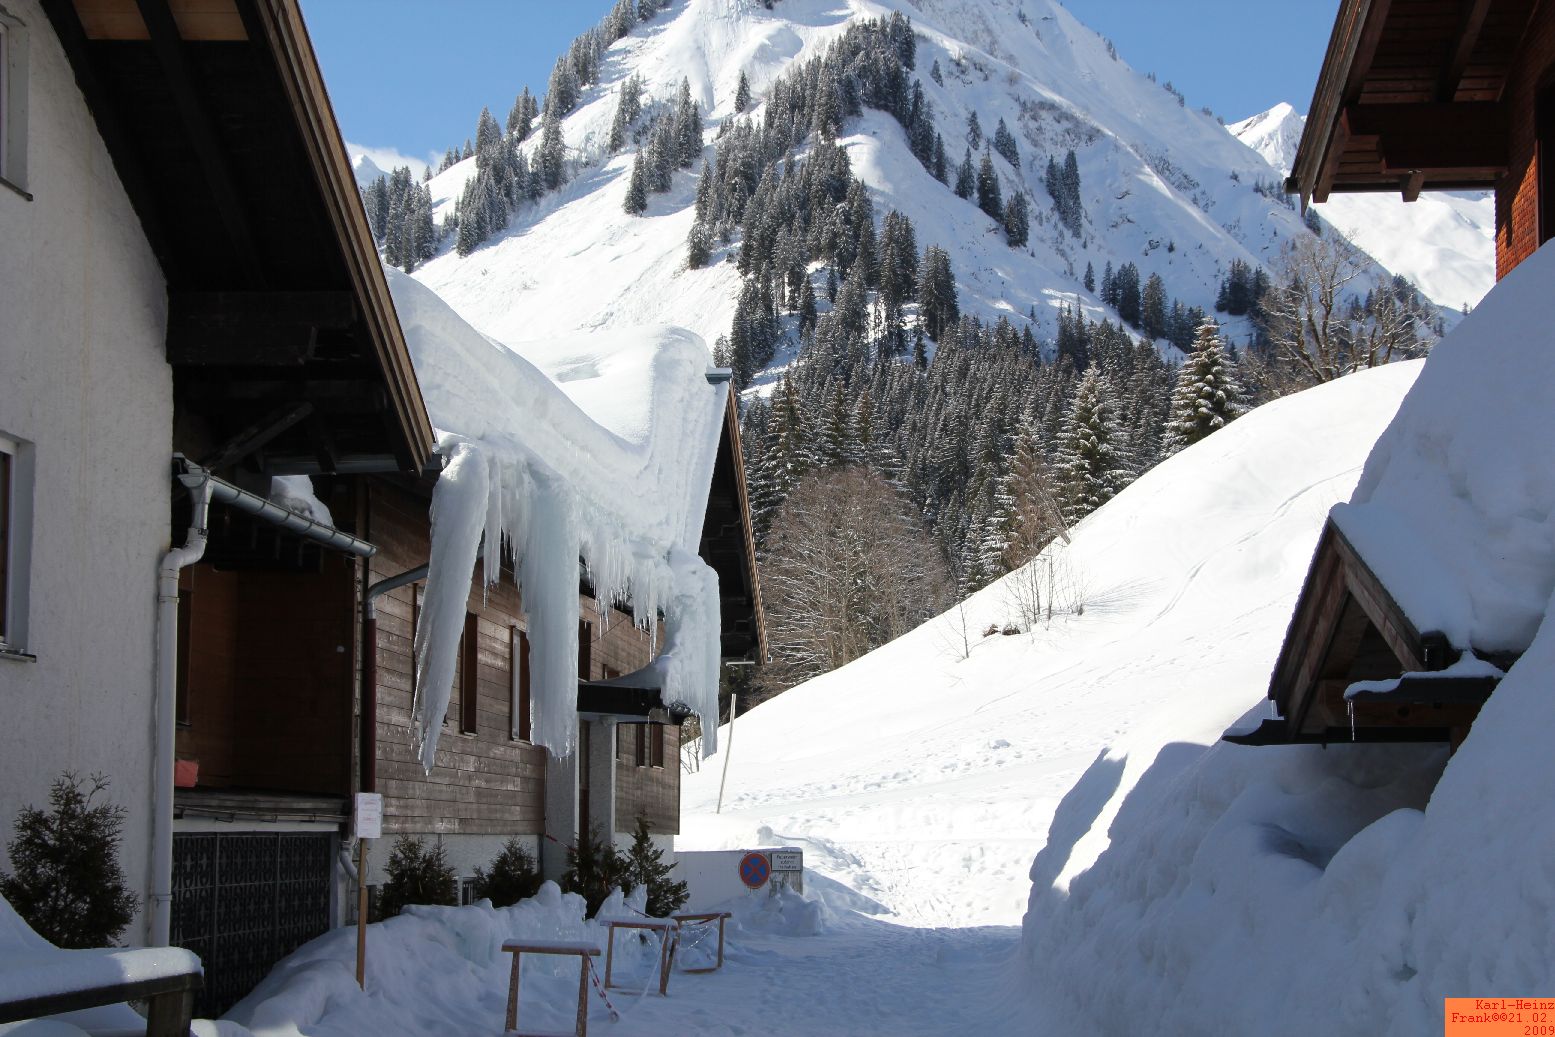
(159, 913)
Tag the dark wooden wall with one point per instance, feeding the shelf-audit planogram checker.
(1517, 195)
(653, 791)
(267, 674)
(485, 783)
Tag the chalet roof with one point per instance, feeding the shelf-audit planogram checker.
(281, 331)
(1409, 97)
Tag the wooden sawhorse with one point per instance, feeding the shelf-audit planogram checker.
(703, 918)
(666, 928)
(519, 948)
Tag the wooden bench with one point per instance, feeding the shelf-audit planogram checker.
(667, 928)
(703, 918)
(170, 1001)
(519, 948)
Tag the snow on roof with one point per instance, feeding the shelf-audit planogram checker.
(602, 448)
(1455, 512)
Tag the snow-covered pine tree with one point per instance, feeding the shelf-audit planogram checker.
(552, 153)
(1090, 277)
(1152, 307)
(937, 307)
(966, 179)
(688, 127)
(1004, 144)
(1207, 395)
(939, 168)
(636, 202)
(742, 93)
(1017, 226)
(974, 132)
(989, 196)
(1093, 461)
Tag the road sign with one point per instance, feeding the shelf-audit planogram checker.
(755, 869)
(787, 860)
(369, 815)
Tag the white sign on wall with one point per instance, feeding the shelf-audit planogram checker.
(369, 815)
(786, 860)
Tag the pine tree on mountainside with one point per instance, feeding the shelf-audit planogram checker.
(1090, 278)
(937, 307)
(974, 132)
(552, 154)
(1004, 144)
(1152, 307)
(1206, 396)
(1093, 459)
(1017, 226)
(939, 168)
(742, 93)
(636, 201)
(966, 179)
(989, 196)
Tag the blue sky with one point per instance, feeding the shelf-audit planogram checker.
(410, 77)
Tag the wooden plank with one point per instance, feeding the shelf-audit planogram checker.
(199, 21)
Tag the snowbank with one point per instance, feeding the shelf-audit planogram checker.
(610, 464)
(1293, 890)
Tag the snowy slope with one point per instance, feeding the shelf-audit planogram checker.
(927, 781)
(1445, 241)
(1387, 877)
(1162, 186)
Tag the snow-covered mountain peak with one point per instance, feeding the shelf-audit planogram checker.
(1274, 134)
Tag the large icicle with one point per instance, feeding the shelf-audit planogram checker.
(531, 476)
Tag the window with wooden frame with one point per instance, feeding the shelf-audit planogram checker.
(13, 102)
(585, 649)
(469, 676)
(656, 745)
(518, 666)
(640, 745)
(15, 542)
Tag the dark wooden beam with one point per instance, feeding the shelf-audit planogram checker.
(1413, 183)
(257, 435)
(1434, 137)
(251, 329)
(1337, 142)
(1471, 22)
(126, 158)
(324, 448)
(187, 94)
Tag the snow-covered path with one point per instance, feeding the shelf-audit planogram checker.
(858, 977)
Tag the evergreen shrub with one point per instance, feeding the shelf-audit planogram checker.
(513, 877)
(67, 883)
(417, 876)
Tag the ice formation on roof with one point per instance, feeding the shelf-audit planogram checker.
(610, 464)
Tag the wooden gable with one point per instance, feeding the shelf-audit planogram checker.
(284, 344)
(1347, 628)
(1412, 97)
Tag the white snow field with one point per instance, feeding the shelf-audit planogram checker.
(1444, 241)
(1163, 186)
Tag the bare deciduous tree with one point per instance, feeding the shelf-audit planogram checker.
(848, 568)
(1322, 325)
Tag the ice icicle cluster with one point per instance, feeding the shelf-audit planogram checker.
(533, 480)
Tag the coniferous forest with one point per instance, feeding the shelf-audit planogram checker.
(990, 441)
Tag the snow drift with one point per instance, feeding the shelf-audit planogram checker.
(612, 465)
(1233, 882)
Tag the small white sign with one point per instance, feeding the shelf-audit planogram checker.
(369, 815)
(786, 860)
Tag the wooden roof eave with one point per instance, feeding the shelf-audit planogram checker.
(282, 25)
(732, 431)
(1357, 29)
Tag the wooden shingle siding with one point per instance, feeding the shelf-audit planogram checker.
(653, 791)
(483, 783)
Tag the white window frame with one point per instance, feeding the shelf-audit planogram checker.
(17, 490)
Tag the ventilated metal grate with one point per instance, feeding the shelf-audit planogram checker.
(243, 901)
